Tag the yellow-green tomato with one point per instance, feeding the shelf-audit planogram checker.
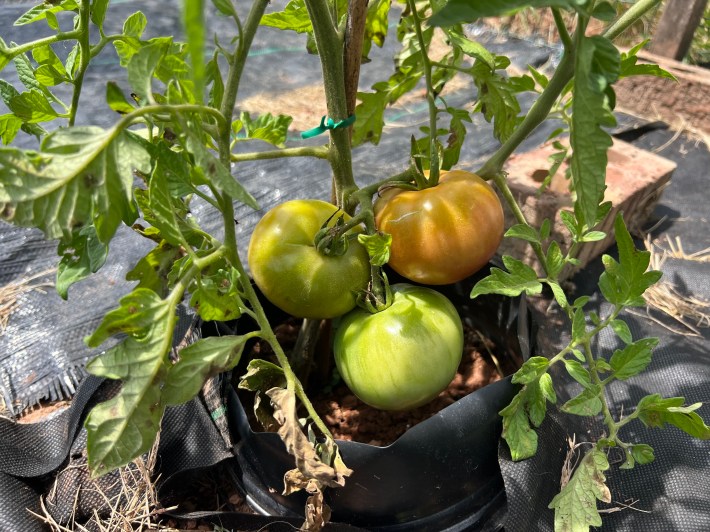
(293, 274)
(403, 356)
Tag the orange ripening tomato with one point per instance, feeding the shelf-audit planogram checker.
(442, 234)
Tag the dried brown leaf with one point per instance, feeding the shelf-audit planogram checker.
(307, 460)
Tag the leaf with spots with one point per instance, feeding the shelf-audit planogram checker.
(82, 175)
(576, 504)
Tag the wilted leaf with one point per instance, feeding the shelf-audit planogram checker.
(576, 504)
(298, 445)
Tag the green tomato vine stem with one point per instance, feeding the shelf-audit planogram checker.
(319, 152)
(85, 47)
(330, 51)
(634, 13)
(430, 97)
(236, 66)
(537, 114)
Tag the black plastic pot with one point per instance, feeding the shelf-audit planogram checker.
(442, 474)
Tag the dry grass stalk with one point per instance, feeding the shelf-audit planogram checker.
(689, 312)
(10, 293)
(134, 506)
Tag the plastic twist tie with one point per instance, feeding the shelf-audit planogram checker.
(326, 124)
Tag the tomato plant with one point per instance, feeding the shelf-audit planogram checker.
(444, 233)
(174, 140)
(293, 274)
(403, 356)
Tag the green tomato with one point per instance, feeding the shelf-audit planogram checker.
(403, 356)
(293, 274)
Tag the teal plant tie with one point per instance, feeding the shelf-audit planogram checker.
(326, 124)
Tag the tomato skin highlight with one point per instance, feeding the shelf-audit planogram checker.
(404, 356)
(442, 234)
(293, 274)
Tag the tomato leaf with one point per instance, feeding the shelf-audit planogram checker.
(369, 120)
(32, 107)
(98, 11)
(125, 426)
(531, 370)
(642, 453)
(624, 282)
(216, 297)
(261, 376)
(579, 325)
(83, 175)
(555, 261)
(225, 7)
(40, 11)
(81, 256)
(152, 270)
(116, 99)
(586, 403)
(496, 96)
(294, 17)
(520, 437)
(622, 330)
(630, 66)
(633, 359)
(9, 127)
(134, 25)
(376, 25)
(524, 232)
(198, 362)
(519, 278)
(297, 444)
(578, 372)
(266, 127)
(142, 66)
(597, 67)
(458, 11)
(655, 411)
(377, 246)
(472, 48)
(576, 504)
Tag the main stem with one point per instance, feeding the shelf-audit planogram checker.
(330, 51)
(236, 67)
(85, 47)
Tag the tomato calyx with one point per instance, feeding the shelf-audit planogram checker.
(332, 241)
(378, 295)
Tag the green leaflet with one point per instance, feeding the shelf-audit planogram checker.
(624, 282)
(377, 246)
(655, 411)
(576, 504)
(458, 11)
(597, 67)
(124, 427)
(632, 359)
(518, 279)
(83, 175)
(198, 362)
(294, 17)
(81, 256)
(266, 127)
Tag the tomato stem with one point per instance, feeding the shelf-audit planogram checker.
(431, 101)
(330, 51)
(502, 183)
